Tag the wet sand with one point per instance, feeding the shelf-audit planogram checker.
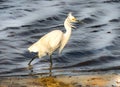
(104, 80)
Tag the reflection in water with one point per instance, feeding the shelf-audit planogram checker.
(30, 67)
(51, 63)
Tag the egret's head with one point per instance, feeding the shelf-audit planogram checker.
(72, 18)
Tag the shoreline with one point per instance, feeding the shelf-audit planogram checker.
(100, 80)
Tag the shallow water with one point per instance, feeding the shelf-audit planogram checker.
(93, 47)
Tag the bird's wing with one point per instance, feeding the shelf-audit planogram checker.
(52, 39)
(49, 41)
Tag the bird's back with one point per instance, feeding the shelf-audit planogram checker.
(48, 43)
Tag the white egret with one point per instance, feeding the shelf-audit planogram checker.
(55, 39)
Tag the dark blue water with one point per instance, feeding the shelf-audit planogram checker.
(94, 46)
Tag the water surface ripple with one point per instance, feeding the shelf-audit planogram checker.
(94, 46)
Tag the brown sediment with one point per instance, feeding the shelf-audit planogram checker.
(51, 82)
(107, 80)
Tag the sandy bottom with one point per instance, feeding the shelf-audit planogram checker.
(107, 80)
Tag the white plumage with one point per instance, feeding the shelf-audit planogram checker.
(47, 44)
(54, 39)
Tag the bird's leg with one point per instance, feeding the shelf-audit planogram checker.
(51, 59)
(31, 60)
(50, 65)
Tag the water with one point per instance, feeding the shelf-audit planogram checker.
(93, 47)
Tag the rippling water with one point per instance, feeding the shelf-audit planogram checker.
(93, 47)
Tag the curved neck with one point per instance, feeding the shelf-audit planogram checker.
(68, 27)
(67, 34)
